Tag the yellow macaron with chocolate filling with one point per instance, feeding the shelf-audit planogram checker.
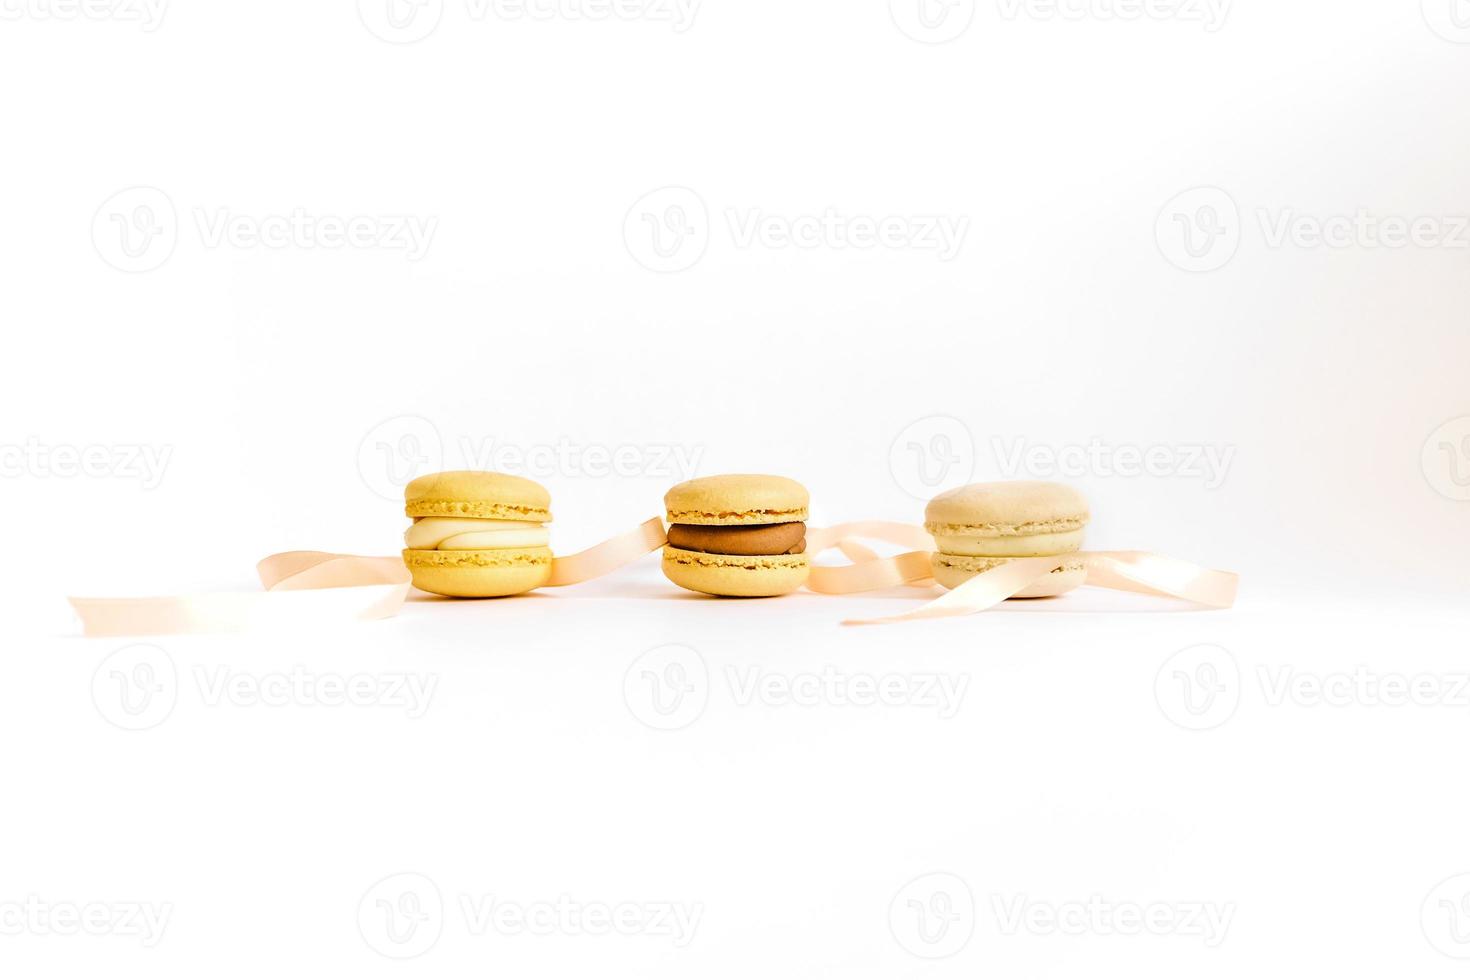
(984, 525)
(477, 535)
(739, 535)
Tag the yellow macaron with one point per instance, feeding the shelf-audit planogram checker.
(741, 535)
(984, 525)
(477, 535)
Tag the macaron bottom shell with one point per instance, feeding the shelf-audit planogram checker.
(952, 571)
(735, 576)
(479, 574)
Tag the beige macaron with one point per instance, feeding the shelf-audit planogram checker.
(477, 535)
(720, 524)
(983, 525)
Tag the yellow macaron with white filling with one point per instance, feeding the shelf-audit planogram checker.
(983, 525)
(477, 535)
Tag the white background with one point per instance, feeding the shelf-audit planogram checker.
(283, 389)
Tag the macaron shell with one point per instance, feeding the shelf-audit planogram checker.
(735, 575)
(469, 493)
(1009, 507)
(952, 571)
(1009, 546)
(735, 499)
(479, 574)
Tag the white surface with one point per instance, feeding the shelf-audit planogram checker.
(1310, 400)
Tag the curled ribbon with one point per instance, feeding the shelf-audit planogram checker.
(1129, 571)
(302, 588)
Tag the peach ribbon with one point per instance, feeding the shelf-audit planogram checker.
(306, 587)
(1130, 571)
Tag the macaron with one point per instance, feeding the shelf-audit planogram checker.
(740, 535)
(477, 535)
(984, 525)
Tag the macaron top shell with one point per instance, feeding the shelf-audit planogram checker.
(469, 493)
(737, 500)
(1010, 507)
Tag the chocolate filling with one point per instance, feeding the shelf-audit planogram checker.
(750, 539)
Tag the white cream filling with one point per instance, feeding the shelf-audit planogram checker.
(474, 534)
